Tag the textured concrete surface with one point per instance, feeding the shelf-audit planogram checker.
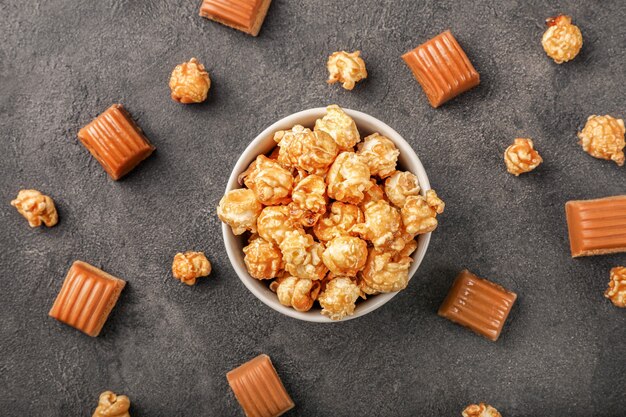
(168, 346)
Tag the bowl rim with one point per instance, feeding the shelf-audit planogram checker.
(250, 153)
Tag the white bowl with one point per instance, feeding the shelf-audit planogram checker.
(263, 144)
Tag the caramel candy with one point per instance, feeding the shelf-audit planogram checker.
(244, 15)
(116, 141)
(477, 304)
(597, 227)
(258, 388)
(442, 68)
(87, 297)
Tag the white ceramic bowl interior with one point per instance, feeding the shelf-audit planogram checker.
(263, 144)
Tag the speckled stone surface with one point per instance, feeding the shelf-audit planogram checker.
(168, 346)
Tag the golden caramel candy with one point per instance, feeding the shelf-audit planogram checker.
(380, 155)
(340, 127)
(603, 138)
(306, 150)
(240, 209)
(189, 266)
(189, 82)
(338, 299)
(382, 226)
(271, 183)
(244, 15)
(616, 292)
(346, 68)
(274, 222)
(521, 157)
(298, 293)
(348, 178)
(302, 255)
(338, 222)
(263, 259)
(401, 185)
(562, 40)
(112, 405)
(37, 208)
(345, 255)
(308, 200)
(386, 270)
(419, 214)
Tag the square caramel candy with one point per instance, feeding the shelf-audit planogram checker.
(596, 227)
(87, 297)
(244, 15)
(116, 141)
(442, 68)
(258, 388)
(478, 304)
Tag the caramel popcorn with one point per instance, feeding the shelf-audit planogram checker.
(112, 405)
(400, 186)
(603, 138)
(308, 200)
(240, 209)
(303, 149)
(189, 82)
(521, 157)
(338, 221)
(380, 154)
(340, 127)
(563, 40)
(263, 259)
(617, 287)
(345, 256)
(480, 410)
(386, 270)
(374, 194)
(419, 214)
(303, 256)
(274, 222)
(382, 226)
(346, 68)
(338, 299)
(298, 293)
(37, 208)
(189, 266)
(348, 178)
(271, 183)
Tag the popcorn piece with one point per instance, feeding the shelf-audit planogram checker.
(419, 214)
(189, 266)
(480, 410)
(348, 178)
(112, 405)
(374, 194)
(303, 149)
(189, 82)
(299, 293)
(603, 138)
(345, 256)
(274, 222)
(616, 292)
(271, 183)
(309, 200)
(382, 226)
(380, 154)
(338, 222)
(303, 256)
(521, 157)
(400, 186)
(386, 271)
(240, 209)
(340, 127)
(346, 68)
(263, 259)
(563, 40)
(36, 208)
(338, 299)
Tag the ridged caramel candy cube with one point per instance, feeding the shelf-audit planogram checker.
(258, 388)
(116, 141)
(86, 298)
(244, 15)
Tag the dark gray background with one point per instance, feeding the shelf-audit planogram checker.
(168, 346)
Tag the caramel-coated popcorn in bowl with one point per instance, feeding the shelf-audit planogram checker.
(275, 222)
